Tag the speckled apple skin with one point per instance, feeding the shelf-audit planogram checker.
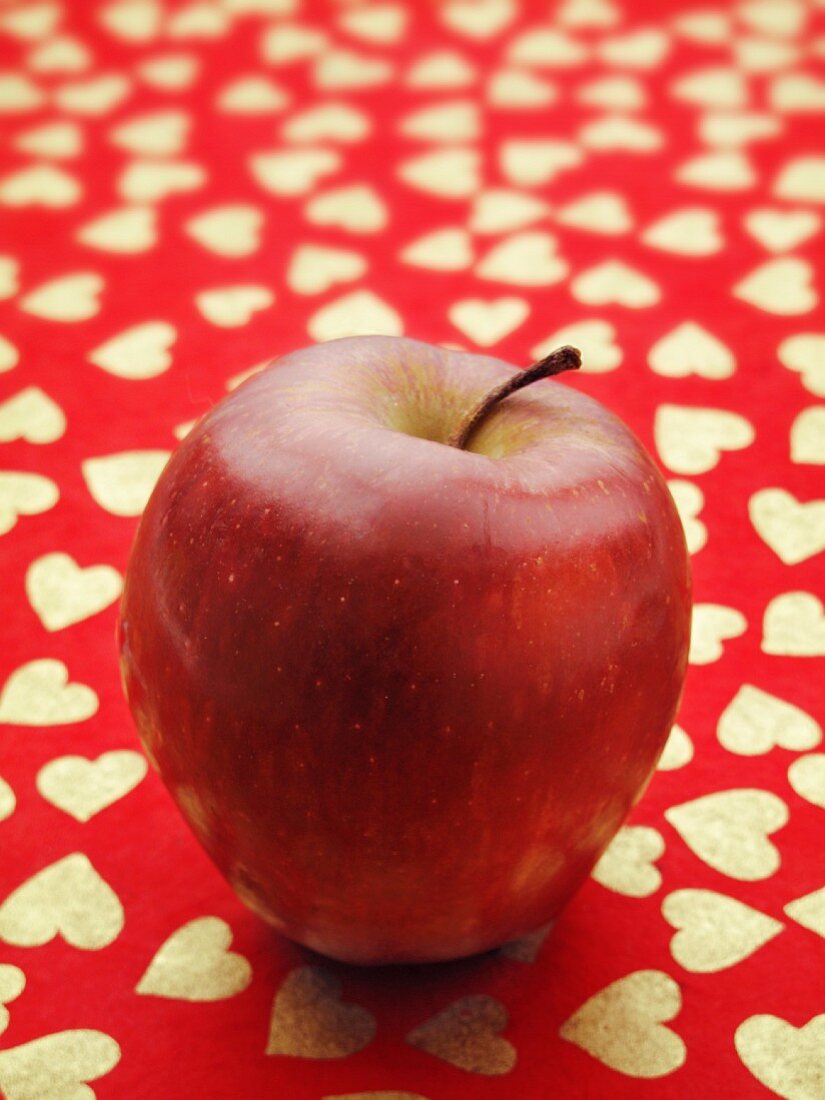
(405, 694)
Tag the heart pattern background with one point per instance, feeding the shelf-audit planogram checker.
(189, 189)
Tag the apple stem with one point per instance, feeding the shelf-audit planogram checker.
(558, 361)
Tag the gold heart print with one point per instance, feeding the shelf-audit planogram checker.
(57, 1067)
(754, 722)
(309, 1019)
(794, 625)
(807, 777)
(466, 1034)
(39, 694)
(623, 1025)
(12, 984)
(788, 1060)
(809, 911)
(729, 831)
(628, 864)
(678, 751)
(63, 592)
(714, 931)
(82, 788)
(794, 530)
(68, 898)
(7, 800)
(195, 964)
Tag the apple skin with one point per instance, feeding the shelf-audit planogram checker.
(405, 694)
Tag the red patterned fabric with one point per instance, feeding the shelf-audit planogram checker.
(650, 174)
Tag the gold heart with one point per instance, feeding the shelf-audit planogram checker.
(809, 911)
(195, 964)
(466, 1035)
(287, 42)
(547, 47)
(531, 163)
(252, 95)
(39, 185)
(614, 283)
(293, 171)
(515, 88)
(39, 694)
(126, 230)
(63, 592)
(31, 415)
(787, 1060)
(498, 210)
(801, 180)
(96, 96)
(726, 170)
(616, 93)
(7, 800)
(356, 208)
(170, 72)
(525, 259)
(9, 355)
(781, 286)
(141, 351)
(57, 1066)
(678, 751)
(18, 93)
(805, 353)
(61, 54)
(713, 930)
(12, 984)
(779, 230)
(440, 69)
(755, 721)
(314, 269)
(729, 831)
(24, 494)
(9, 276)
(689, 500)
(233, 306)
(148, 181)
(627, 865)
(808, 436)
(233, 230)
(690, 440)
(713, 624)
(693, 231)
(623, 1025)
(485, 323)
(345, 69)
(618, 132)
(338, 122)
(360, 313)
(131, 22)
(597, 212)
(642, 49)
(309, 1019)
(67, 898)
(443, 250)
(691, 349)
(454, 121)
(795, 531)
(82, 788)
(156, 134)
(122, 483)
(794, 625)
(478, 19)
(448, 173)
(69, 299)
(807, 777)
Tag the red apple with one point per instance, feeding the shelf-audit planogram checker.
(405, 692)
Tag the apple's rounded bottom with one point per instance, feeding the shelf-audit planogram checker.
(383, 953)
